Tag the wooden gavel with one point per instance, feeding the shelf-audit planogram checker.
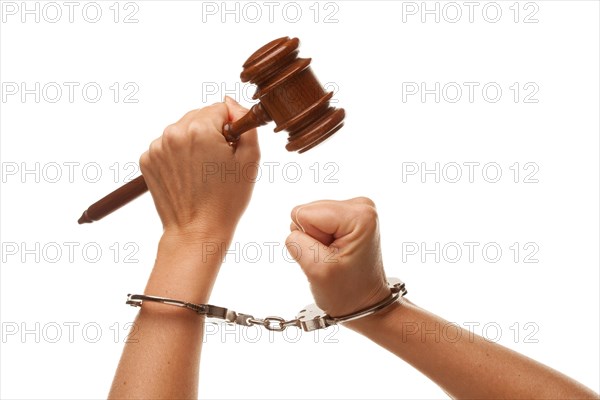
(289, 94)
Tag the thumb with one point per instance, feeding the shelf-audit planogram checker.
(310, 254)
(236, 111)
(249, 140)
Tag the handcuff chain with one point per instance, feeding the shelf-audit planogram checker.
(276, 324)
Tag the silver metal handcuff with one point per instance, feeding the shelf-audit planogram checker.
(308, 319)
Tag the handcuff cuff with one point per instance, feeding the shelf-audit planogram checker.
(308, 319)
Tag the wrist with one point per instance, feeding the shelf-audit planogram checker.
(186, 267)
(195, 238)
(378, 320)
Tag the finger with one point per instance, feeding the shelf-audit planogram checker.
(312, 256)
(155, 149)
(214, 117)
(144, 162)
(362, 200)
(293, 226)
(236, 110)
(249, 140)
(200, 114)
(326, 221)
(305, 225)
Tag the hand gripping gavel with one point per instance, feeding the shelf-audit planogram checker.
(289, 94)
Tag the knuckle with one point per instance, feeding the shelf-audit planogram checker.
(294, 213)
(289, 241)
(293, 247)
(144, 160)
(172, 129)
(365, 200)
(155, 147)
(367, 214)
(198, 128)
(173, 135)
(292, 240)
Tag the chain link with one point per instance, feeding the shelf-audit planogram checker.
(276, 324)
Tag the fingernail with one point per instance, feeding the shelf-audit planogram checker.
(297, 221)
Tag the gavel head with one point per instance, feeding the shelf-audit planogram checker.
(291, 94)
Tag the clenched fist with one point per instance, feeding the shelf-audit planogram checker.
(200, 184)
(337, 245)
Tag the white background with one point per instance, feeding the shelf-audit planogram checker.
(371, 53)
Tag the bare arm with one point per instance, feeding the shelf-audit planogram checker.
(347, 275)
(463, 364)
(163, 359)
(199, 210)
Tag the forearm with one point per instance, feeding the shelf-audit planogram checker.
(463, 364)
(162, 357)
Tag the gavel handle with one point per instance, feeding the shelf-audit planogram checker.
(114, 200)
(257, 116)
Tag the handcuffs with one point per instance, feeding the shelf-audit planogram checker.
(310, 318)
